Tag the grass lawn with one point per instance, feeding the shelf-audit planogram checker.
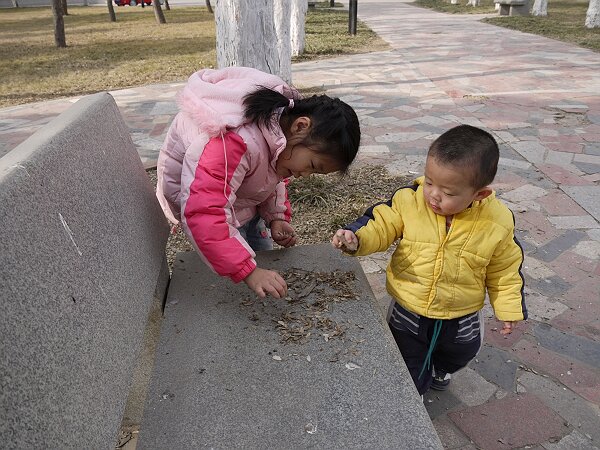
(565, 20)
(133, 51)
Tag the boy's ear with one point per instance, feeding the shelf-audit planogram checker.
(483, 193)
(301, 125)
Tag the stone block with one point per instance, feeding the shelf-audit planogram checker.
(81, 253)
(319, 369)
(512, 422)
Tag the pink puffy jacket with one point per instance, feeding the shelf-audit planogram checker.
(216, 171)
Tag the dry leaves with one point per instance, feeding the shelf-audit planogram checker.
(309, 297)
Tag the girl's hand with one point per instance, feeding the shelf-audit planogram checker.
(507, 328)
(266, 282)
(283, 233)
(345, 240)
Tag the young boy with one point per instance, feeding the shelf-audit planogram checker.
(455, 241)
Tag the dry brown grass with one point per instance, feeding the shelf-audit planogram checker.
(135, 50)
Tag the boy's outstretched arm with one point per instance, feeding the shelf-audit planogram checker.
(345, 240)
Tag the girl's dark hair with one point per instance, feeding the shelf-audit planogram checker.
(335, 130)
(469, 147)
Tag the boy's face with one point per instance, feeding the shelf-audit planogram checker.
(448, 189)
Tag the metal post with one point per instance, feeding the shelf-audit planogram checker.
(353, 9)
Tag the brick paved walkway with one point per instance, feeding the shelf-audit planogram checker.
(540, 387)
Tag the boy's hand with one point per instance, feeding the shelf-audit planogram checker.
(266, 282)
(345, 240)
(507, 328)
(283, 233)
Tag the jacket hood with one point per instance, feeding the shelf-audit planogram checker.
(214, 98)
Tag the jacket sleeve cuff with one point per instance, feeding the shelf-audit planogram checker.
(276, 218)
(247, 268)
(509, 316)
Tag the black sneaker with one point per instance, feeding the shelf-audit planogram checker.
(441, 380)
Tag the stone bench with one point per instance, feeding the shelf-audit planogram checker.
(513, 7)
(86, 349)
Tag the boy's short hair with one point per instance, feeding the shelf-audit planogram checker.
(469, 147)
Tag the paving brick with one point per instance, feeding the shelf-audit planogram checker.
(592, 177)
(572, 267)
(535, 269)
(570, 147)
(575, 440)
(594, 234)
(562, 176)
(523, 193)
(576, 376)
(544, 308)
(496, 366)
(592, 149)
(520, 164)
(555, 247)
(588, 249)
(471, 388)
(589, 159)
(557, 203)
(559, 158)
(507, 180)
(505, 136)
(400, 137)
(584, 350)
(533, 152)
(581, 319)
(438, 403)
(579, 414)
(451, 437)
(512, 422)
(374, 149)
(587, 168)
(587, 196)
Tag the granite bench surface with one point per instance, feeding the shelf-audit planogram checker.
(318, 369)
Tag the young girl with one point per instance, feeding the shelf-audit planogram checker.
(228, 155)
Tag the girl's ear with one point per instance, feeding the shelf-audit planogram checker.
(483, 193)
(301, 126)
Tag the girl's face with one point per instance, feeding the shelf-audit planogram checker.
(447, 188)
(300, 161)
(297, 159)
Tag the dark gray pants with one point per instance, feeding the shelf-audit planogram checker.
(458, 342)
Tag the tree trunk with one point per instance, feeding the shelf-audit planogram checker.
(111, 10)
(15, 3)
(59, 24)
(167, 6)
(64, 7)
(540, 8)
(208, 5)
(246, 35)
(592, 18)
(281, 15)
(158, 12)
(297, 21)
(331, 3)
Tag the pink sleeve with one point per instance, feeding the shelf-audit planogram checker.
(208, 212)
(277, 206)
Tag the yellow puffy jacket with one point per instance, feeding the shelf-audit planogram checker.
(444, 275)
